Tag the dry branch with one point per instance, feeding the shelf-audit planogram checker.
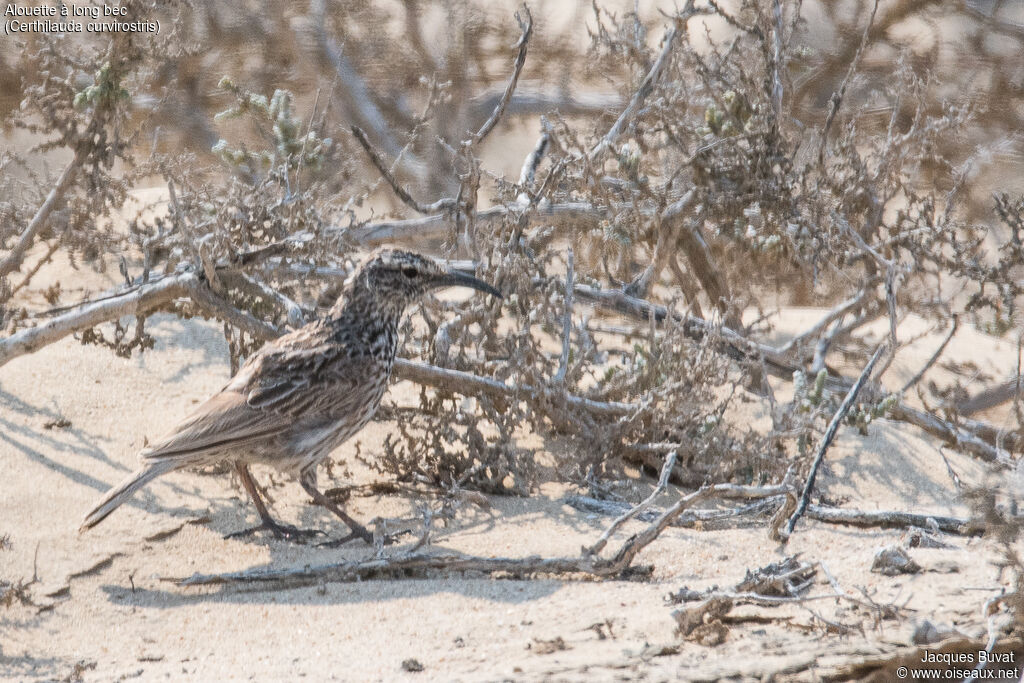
(353, 91)
(524, 42)
(400, 565)
(529, 170)
(698, 254)
(646, 86)
(400, 192)
(468, 384)
(666, 472)
(390, 566)
(815, 331)
(379, 232)
(140, 299)
(991, 397)
(563, 361)
(837, 97)
(975, 438)
(830, 433)
(532, 99)
(970, 441)
(17, 254)
(888, 518)
(136, 300)
(649, 80)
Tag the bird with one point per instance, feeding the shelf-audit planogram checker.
(302, 395)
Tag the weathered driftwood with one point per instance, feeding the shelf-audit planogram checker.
(773, 499)
(590, 565)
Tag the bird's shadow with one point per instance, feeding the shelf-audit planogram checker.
(508, 515)
(45, 437)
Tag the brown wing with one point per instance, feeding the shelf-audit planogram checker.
(223, 421)
(274, 388)
(313, 381)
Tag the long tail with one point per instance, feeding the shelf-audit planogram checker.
(125, 490)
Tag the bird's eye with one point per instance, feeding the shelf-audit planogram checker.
(409, 272)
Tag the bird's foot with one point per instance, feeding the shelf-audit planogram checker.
(283, 531)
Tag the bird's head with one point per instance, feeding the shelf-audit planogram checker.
(393, 278)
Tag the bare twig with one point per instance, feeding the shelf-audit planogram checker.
(469, 384)
(17, 254)
(134, 301)
(837, 96)
(362, 570)
(690, 519)
(822, 347)
(887, 518)
(830, 433)
(372, 234)
(563, 362)
(403, 194)
(771, 498)
(777, 61)
(529, 170)
(666, 472)
(535, 99)
(629, 550)
(43, 260)
(196, 244)
(400, 565)
(835, 314)
(669, 224)
(353, 92)
(649, 80)
(957, 436)
(294, 313)
(935, 357)
(526, 25)
(532, 161)
(702, 264)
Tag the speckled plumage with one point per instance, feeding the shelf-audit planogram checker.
(304, 394)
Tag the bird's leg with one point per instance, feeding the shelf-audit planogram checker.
(267, 522)
(308, 481)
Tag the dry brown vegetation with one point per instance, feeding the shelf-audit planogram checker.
(694, 170)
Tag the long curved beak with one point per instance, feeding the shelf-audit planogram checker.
(454, 278)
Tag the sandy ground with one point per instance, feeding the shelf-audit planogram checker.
(72, 418)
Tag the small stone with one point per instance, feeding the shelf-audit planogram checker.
(894, 560)
(412, 665)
